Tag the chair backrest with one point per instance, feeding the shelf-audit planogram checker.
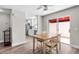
(55, 39)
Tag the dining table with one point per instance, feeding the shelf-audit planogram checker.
(42, 37)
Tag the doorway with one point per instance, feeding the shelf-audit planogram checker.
(61, 26)
(31, 26)
(5, 27)
(64, 31)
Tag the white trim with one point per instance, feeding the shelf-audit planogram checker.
(16, 44)
(74, 46)
(1, 41)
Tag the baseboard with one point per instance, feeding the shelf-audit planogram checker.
(17, 44)
(1, 41)
(74, 46)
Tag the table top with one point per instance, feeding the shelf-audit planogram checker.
(44, 36)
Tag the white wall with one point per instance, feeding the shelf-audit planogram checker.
(74, 23)
(39, 24)
(4, 24)
(18, 27)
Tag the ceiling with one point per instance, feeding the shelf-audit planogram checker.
(31, 10)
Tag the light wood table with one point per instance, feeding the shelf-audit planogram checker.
(41, 37)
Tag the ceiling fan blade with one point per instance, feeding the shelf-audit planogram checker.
(39, 7)
(44, 7)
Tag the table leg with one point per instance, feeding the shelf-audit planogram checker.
(33, 45)
(43, 48)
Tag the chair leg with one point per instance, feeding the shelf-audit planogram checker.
(59, 45)
(57, 49)
(51, 50)
(41, 47)
(37, 47)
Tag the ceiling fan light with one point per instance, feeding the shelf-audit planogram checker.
(45, 8)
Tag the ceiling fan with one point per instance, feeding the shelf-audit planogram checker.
(44, 7)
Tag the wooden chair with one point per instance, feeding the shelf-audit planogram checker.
(52, 43)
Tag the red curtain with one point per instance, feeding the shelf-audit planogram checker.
(63, 19)
(53, 21)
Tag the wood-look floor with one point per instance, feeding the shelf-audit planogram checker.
(27, 48)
